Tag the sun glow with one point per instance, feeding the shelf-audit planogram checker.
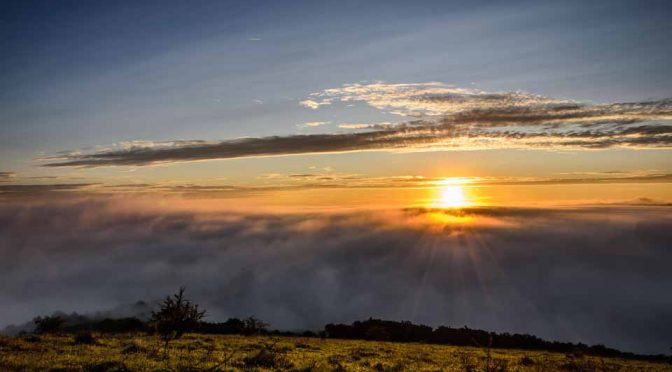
(452, 194)
(453, 197)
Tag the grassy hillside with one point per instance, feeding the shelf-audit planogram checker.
(228, 353)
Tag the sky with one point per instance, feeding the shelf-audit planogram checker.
(293, 120)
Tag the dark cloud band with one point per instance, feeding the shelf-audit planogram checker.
(502, 120)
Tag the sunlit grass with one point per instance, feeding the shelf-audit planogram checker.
(263, 353)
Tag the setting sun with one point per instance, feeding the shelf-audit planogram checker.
(451, 193)
(453, 196)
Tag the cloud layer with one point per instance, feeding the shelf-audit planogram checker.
(7, 176)
(456, 119)
(278, 182)
(586, 274)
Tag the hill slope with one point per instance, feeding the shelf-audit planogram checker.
(216, 352)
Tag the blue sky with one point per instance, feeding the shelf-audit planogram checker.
(83, 74)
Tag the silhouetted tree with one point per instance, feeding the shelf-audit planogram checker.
(254, 326)
(176, 316)
(48, 324)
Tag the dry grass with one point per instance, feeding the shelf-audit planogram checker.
(259, 353)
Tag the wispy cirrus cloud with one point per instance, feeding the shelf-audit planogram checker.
(382, 125)
(354, 126)
(418, 99)
(22, 190)
(460, 119)
(314, 124)
(312, 104)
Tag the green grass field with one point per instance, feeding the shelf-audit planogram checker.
(264, 353)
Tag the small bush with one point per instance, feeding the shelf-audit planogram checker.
(32, 339)
(109, 366)
(386, 368)
(497, 365)
(84, 339)
(576, 354)
(526, 361)
(335, 362)
(314, 367)
(579, 366)
(133, 348)
(268, 357)
(48, 324)
(467, 362)
(176, 316)
(358, 354)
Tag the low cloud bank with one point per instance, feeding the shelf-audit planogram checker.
(6, 176)
(596, 275)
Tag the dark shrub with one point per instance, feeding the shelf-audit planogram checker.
(268, 357)
(496, 365)
(336, 363)
(176, 317)
(110, 366)
(32, 338)
(48, 324)
(579, 366)
(526, 361)
(133, 349)
(263, 358)
(84, 339)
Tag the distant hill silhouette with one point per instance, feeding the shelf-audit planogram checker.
(139, 310)
(386, 330)
(371, 329)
